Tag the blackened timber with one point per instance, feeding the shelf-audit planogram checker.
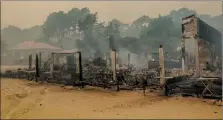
(52, 65)
(79, 69)
(30, 61)
(37, 67)
(128, 59)
(40, 60)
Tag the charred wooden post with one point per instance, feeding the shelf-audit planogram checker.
(117, 61)
(52, 65)
(37, 68)
(161, 66)
(30, 62)
(128, 59)
(144, 86)
(184, 67)
(29, 67)
(79, 68)
(166, 90)
(108, 61)
(40, 59)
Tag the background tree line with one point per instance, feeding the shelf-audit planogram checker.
(80, 28)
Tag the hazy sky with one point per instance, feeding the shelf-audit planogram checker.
(29, 13)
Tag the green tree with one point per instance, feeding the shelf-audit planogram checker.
(3, 45)
(74, 15)
(57, 23)
(140, 21)
(161, 31)
(12, 35)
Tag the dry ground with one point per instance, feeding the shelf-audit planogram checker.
(23, 99)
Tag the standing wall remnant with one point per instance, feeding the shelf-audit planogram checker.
(198, 44)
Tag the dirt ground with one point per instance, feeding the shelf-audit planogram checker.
(25, 99)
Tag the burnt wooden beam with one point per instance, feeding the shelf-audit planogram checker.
(30, 61)
(128, 59)
(79, 68)
(52, 65)
(108, 61)
(40, 60)
(184, 66)
(37, 68)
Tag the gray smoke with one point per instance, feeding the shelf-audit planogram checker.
(139, 61)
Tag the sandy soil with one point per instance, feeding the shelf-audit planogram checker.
(24, 99)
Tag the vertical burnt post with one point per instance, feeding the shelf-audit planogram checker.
(128, 59)
(108, 61)
(79, 68)
(161, 66)
(184, 67)
(52, 65)
(30, 62)
(144, 86)
(117, 61)
(37, 68)
(40, 59)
